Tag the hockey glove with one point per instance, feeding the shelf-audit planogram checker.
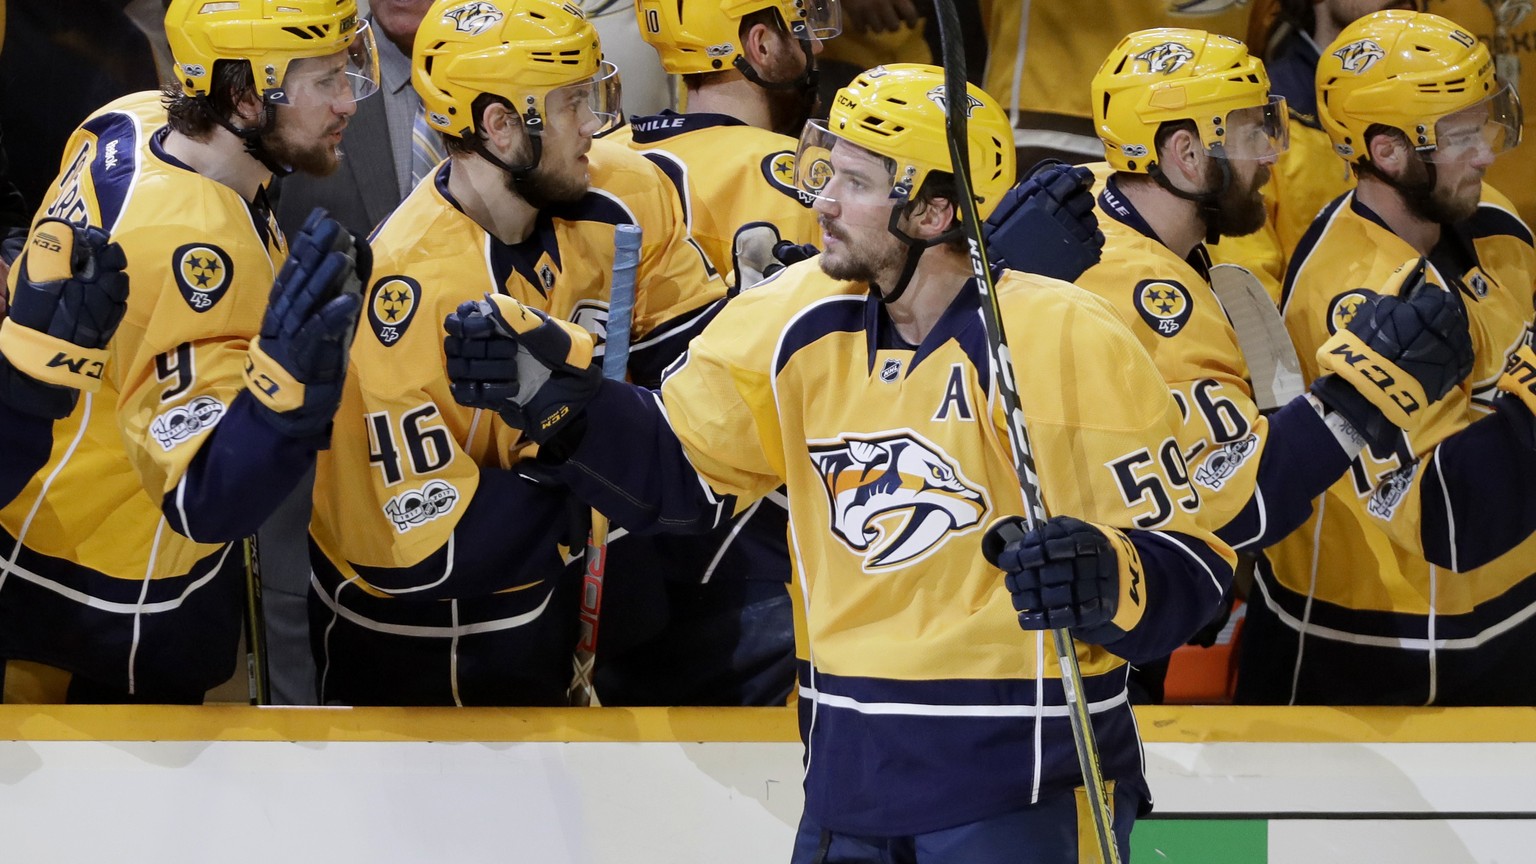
(1069, 573)
(1396, 355)
(533, 370)
(1518, 384)
(297, 366)
(1045, 224)
(70, 295)
(758, 253)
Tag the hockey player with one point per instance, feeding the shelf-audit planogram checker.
(1190, 132)
(120, 579)
(1361, 606)
(749, 71)
(860, 380)
(68, 300)
(438, 577)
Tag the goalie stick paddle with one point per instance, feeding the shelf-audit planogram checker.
(1273, 367)
(957, 108)
(621, 309)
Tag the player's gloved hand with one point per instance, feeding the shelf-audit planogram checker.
(758, 252)
(533, 370)
(70, 295)
(296, 366)
(1400, 352)
(1069, 573)
(1518, 393)
(1045, 224)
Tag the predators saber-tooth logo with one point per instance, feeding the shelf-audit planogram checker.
(1165, 58)
(1359, 56)
(941, 99)
(896, 498)
(472, 18)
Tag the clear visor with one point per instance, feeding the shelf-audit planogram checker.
(829, 168)
(1257, 133)
(345, 76)
(1478, 132)
(591, 98)
(823, 20)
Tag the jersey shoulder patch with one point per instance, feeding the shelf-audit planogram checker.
(779, 171)
(391, 307)
(1164, 304)
(1344, 308)
(203, 274)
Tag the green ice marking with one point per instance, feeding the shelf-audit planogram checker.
(1200, 841)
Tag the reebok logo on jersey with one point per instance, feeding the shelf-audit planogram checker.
(1165, 58)
(895, 498)
(1164, 304)
(391, 307)
(185, 421)
(418, 506)
(203, 273)
(1359, 56)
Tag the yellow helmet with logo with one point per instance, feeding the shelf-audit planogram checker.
(898, 112)
(695, 36)
(267, 34)
(1409, 71)
(519, 50)
(1167, 74)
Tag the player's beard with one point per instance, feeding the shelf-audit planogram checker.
(864, 262)
(788, 109)
(1437, 202)
(320, 159)
(543, 188)
(1241, 205)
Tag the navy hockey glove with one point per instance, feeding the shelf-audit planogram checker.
(1518, 394)
(1069, 573)
(533, 370)
(70, 296)
(758, 253)
(297, 366)
(1396, 355)
(1045, 224)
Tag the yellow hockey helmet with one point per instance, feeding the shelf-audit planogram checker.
(1420, 74)
(898, 112)
(269, 35)
(1168, 74)
(695, 36)
(520, 50)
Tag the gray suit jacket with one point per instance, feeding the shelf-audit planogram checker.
(362, 191)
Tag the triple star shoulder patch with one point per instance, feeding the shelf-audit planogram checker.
(203, 273)
(391, 306)
(779, 171)
(1343, 309)
(1164, 304)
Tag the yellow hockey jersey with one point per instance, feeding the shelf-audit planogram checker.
(394, 509)
(756, 184)
(922, 703)
(93, 578)
(1356, 574)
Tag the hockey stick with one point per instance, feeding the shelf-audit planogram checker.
(1273, 368)
(957, 108)
(621, 309)
(259, 683)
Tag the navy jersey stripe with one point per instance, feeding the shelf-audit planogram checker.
(116, 162)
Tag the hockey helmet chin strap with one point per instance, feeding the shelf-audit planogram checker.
(805, 83)
(533, 124)
(902, 195)
(1209, 201)
(252, 137)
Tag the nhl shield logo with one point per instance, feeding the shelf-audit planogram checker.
(203, 273)
(1477, 280)
(1165, 58)
(1359, 56)
(1344, 309)
(472, 18)
(391, 307)
(895, 498)
(890, 371)
(1164, 304)
(939, 98)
